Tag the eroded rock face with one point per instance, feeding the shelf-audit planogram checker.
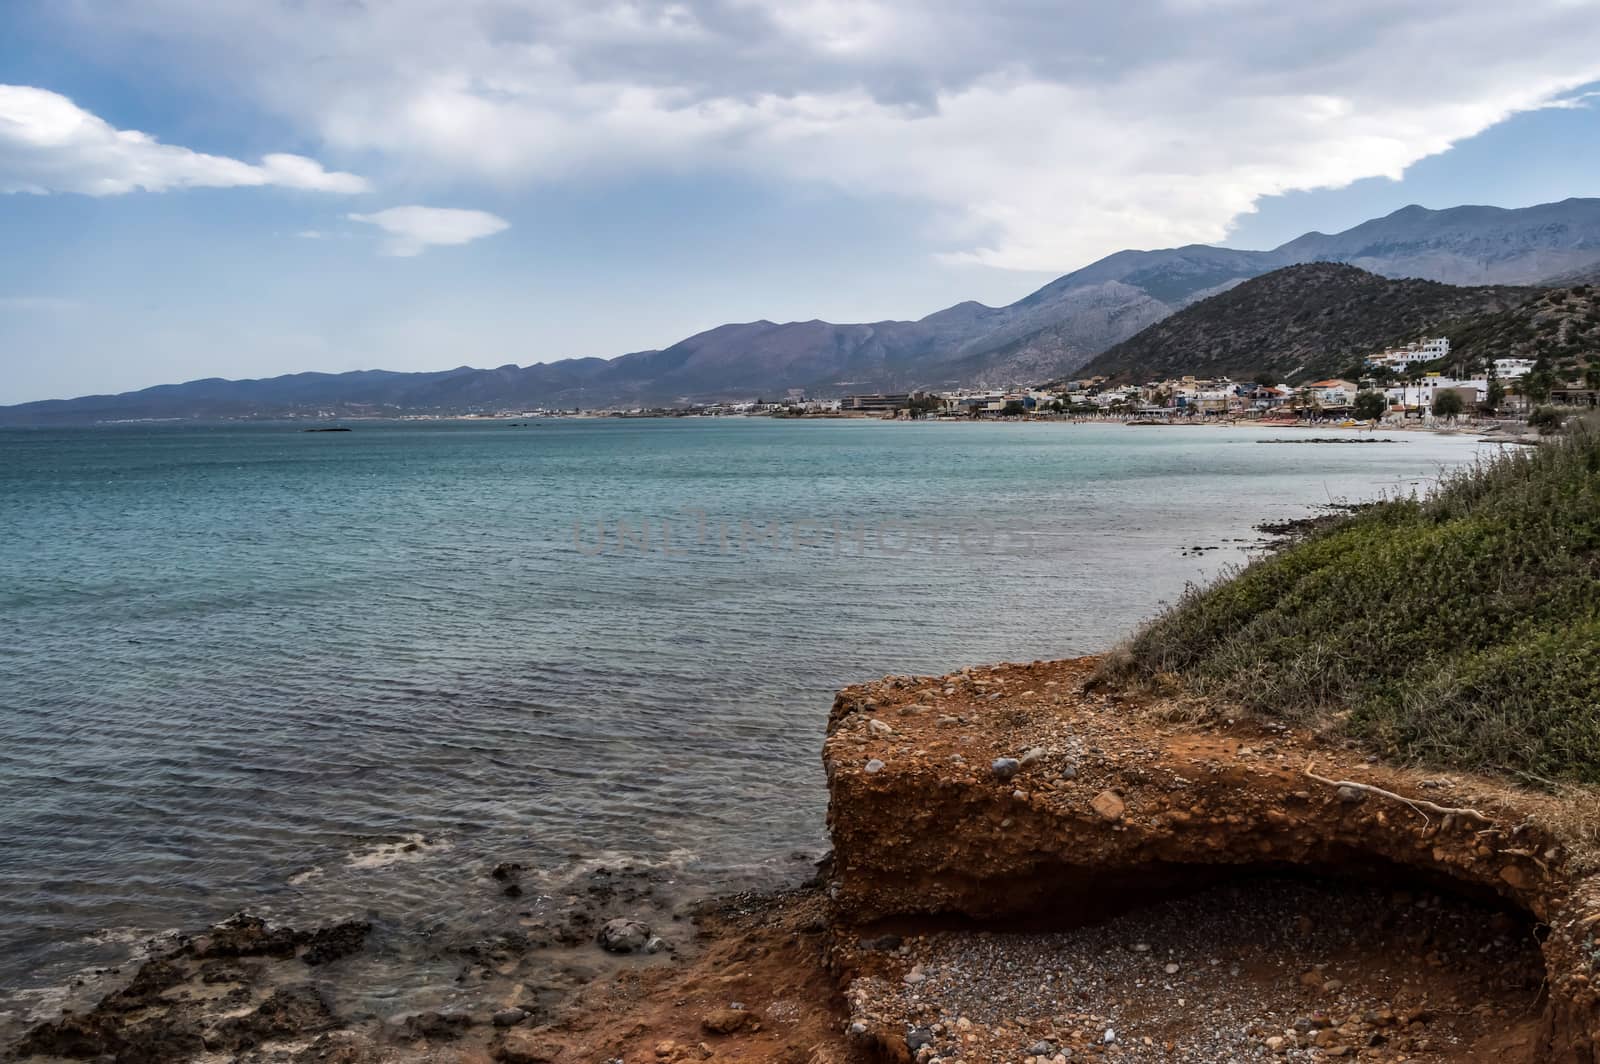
(1119, 802)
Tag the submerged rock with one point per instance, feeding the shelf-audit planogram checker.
(437, 1026)
(244, 935)
(99, 1035)
(292, 1010)
(331, 943)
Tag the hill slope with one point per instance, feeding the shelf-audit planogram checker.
(1457, 630)
(1301, 321)
(1560, 325)
(1053, 331)
(1589, 274)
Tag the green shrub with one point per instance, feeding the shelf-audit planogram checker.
(1549, 419)
(1461, 629)
(1370, 405)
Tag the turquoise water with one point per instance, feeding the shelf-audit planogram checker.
(245, 666)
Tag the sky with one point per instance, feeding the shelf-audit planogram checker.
(241, 188)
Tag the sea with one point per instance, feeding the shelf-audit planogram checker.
(321, 674)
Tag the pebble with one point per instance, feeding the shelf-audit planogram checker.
(998, 996)
(1005, 767)
(874, 767)
(1109, 805)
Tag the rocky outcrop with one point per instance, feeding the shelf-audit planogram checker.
(1016, 792)
(240, 985)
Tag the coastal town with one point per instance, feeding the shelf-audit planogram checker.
(1418, 382)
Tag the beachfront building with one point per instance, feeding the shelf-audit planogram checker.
(1128, 396)
(1421, 394)
(973, 403)
(1333, 394)
(1190, 396)
(1572, 393)
(876, 403)
(997, 401)
(1265, 396)
(1212, 400)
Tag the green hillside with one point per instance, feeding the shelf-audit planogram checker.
(1299, 323)
(1561, 326)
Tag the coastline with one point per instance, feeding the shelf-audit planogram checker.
(1160, 821)
(578, 942)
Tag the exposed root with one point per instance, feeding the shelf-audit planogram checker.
(1421, 805)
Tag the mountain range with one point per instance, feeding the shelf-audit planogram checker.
(1052, 332)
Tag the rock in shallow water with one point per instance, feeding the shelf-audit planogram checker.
(437, 1026)
(624, 936)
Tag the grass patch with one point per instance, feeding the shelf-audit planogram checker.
(1460, 630)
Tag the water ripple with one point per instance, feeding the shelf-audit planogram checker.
(315, 675)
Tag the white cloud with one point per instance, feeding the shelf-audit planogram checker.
(50, 144)
(1039, 135)
(413, 229)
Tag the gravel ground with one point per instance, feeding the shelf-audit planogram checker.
(1257, 970)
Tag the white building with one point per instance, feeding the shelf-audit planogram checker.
(1509, 369)
(1112, 396)
(1431, 350)
(1421, 394)
(1335, 392)
(1418, 351)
